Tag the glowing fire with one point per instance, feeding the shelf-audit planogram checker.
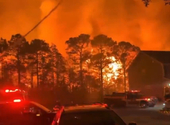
(112, 74)
(113, 69)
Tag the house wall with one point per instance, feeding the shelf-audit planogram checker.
(167, 70)
(146, 71)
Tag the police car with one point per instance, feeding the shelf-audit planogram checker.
(8, 95)
(16, 110)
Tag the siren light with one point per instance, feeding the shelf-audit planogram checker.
(8, 90)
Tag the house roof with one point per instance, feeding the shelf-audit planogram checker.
(161, 56)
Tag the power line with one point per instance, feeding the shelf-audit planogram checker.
(43, 19)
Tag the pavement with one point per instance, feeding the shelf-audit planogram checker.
(144, 116)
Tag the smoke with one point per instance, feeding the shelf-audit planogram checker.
(127, 20)
(18, 16)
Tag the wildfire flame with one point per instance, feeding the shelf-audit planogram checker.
(112, 74)
(113, 70)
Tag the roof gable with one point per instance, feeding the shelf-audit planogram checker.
(161, 56)
(142, 55)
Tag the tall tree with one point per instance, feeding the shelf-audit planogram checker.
(3, 52)
(3, 45)
(18, 47)
(102, 44)
(30, 61)
(146, 2)
(58, 64)
(37, 48)
(126, 53)
(77, 48)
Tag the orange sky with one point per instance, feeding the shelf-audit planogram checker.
(131, 21)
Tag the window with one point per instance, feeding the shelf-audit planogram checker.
(32, 109)
(91, 118)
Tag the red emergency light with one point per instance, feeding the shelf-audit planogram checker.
(17, 100)
(8, 90)
(134, 91)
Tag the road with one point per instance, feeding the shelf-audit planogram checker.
(148, 116)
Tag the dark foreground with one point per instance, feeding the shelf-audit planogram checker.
(148, 116)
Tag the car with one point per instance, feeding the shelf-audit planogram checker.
(154, 99)
(97, 114)
(7, 95)
(167, 104)
(20, 112)
(130, 98)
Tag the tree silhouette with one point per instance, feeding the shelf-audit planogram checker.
(18, 47)
(77, 51)
(58, 64)
(103, 45)
(37, 47)
(146, 2)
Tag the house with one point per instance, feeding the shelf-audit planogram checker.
(164, 58)
(150, 72)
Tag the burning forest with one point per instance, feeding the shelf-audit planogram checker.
(91, 63)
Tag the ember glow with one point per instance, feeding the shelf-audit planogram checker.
(112, 71)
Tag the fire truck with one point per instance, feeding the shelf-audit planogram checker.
(130, 98)
(12, 95)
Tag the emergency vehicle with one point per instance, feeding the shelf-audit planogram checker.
(16, 109)
(12, 95)
(130, 98)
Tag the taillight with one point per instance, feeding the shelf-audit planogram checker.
(17, 100)
(147, 99)
(135, 91)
